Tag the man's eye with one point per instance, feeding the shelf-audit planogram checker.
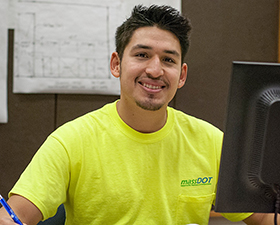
(169, 60)
(143, 55)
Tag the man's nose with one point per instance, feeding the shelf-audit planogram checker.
(154, 67)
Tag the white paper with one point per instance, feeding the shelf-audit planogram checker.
(3, 63)
(65, 46)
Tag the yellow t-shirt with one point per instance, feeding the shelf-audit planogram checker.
(104, 172)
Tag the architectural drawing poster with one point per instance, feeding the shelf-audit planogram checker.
(3, 63)
(64, 46)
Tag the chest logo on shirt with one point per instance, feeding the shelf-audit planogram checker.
(196, 182)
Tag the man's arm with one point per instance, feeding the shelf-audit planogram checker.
(261, 219)
(26, 211)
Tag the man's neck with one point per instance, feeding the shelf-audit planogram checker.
(144, 121)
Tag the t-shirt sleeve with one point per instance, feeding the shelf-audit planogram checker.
(45, 180)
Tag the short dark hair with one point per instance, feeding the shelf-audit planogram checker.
(164, 17)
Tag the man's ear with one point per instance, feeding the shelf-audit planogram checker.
(183, 76)
(115, 64)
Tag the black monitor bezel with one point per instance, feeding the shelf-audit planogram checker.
(240, 185)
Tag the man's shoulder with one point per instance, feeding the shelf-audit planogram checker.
(194, 124)
(87, 121)
(191, 119)
(97, 113)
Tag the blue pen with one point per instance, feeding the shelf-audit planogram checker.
(9, 210)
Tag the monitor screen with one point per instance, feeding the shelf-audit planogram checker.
(250, 161)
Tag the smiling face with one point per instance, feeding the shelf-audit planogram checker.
(151, 70)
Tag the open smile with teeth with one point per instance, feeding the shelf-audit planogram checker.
(150, 86)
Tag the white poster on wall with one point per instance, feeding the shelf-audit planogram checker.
(65, 46)
(3, 63)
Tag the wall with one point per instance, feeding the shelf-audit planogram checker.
(223, 31)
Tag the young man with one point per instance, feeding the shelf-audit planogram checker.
(134, 161)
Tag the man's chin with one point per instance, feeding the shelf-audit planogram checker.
(150, 106)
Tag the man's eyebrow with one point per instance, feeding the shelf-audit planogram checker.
(172, 52)
(141, 46)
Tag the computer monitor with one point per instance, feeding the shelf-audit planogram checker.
(250, 161)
